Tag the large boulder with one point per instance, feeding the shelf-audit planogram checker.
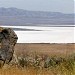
(8, 39)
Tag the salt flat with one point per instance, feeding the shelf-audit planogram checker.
(46, 35)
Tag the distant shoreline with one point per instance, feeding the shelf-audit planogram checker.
(43, 25)
(45, 43)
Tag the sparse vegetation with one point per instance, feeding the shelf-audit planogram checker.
(34, 63)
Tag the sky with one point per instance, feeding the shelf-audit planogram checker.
(64, 6)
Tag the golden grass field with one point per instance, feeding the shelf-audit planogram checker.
(40, 52)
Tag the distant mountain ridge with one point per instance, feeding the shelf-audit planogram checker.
(14, 16)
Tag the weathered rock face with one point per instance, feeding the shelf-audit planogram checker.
(8, 39)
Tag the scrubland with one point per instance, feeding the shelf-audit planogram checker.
(42, 59)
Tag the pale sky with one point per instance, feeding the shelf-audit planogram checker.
(65, 6)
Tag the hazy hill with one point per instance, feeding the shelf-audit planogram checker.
(14, 16)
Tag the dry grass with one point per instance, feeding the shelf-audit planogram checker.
(57, 59)
(46, 49)
(16, 71)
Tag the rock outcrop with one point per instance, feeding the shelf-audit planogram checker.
(8, 39)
